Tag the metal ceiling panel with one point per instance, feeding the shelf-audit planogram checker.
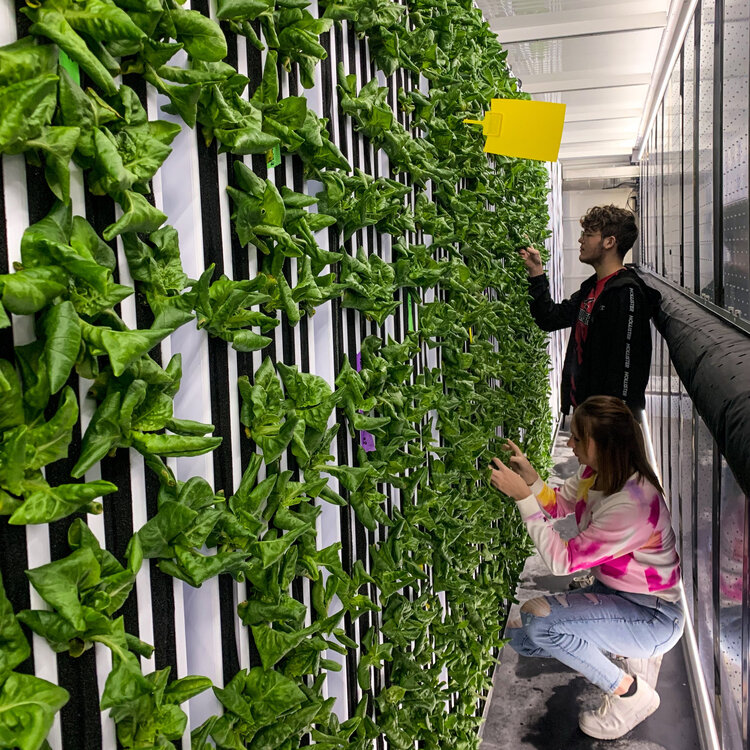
(624, 53)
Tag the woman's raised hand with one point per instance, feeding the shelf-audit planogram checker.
(520, 464)
(507, 481)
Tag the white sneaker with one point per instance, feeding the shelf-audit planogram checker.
(645, 669)
(617, 715)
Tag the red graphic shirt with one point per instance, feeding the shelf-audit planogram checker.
(582, 326)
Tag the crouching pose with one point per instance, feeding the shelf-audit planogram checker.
(625, 537)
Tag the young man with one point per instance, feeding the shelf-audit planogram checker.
(609, 351)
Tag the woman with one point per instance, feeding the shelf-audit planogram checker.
(625, 537)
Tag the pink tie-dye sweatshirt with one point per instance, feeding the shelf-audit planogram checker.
(625, 538)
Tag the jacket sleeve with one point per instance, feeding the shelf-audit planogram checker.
(616, 529)
(549, 315)
(628, 344)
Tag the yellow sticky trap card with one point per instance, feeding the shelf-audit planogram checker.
(523, 128)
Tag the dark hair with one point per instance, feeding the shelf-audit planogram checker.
(612, 221)
(620, 450)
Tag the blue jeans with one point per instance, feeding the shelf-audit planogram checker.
(584, 625)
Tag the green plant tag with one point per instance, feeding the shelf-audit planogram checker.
(71, 66)
(410, 311)
(273, 157)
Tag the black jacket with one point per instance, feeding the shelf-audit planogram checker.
(617, 351)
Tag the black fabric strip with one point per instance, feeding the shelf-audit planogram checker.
(40, 197)
(13, 563)
(208, 164)
(118, 523)
(230, 659)
(162, 596)
(217, 348)
(327, 78)
(338, 38)
(80, 717)
(6, 334)
(220, 414)
(364, 74)
(241, 270)
(254, 65)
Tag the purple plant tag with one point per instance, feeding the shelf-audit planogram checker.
(366, 439)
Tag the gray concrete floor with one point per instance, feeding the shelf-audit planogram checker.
(535, 702)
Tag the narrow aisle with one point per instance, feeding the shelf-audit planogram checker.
(535, 702)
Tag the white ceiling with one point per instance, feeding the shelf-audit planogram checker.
(596, 56)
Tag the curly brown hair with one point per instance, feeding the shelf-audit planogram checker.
(612, 221)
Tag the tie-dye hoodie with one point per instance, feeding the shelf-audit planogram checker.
(625, 538)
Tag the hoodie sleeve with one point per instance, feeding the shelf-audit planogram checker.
(557, 502)
(549, 315)
(616, 529)
(628, 352)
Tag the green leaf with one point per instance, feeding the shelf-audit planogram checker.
(188, 427)
(243, 9)
(125, 682)
(202, 37)
(57, 145)
(27, 291)
(28, 706)
(49, 504)
(247, 341)
(60, 582)
(11, 405)
(102, 435)
(13, 459)
(270, 695)
(288, 610)
(158, 534)
(154, 413)
(49, 441)
(275, 736)
(273, 550)
(123, 347)
(15, 649)
(24, 59)
(51, 23)
(102, 20)
(174, 445)
(62, 331)
(138, 216)
(25, 108)
(350, 477)
(185, 688)
(273, 644)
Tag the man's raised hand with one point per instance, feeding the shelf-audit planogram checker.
(532, 260)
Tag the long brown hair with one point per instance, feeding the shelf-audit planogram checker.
(620, 450)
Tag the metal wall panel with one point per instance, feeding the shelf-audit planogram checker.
(735, 249)
(672, 175)
(704, 608)
(733, 509)
(705, 148)
(686, 483)
(710, 512)
(688, 156)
